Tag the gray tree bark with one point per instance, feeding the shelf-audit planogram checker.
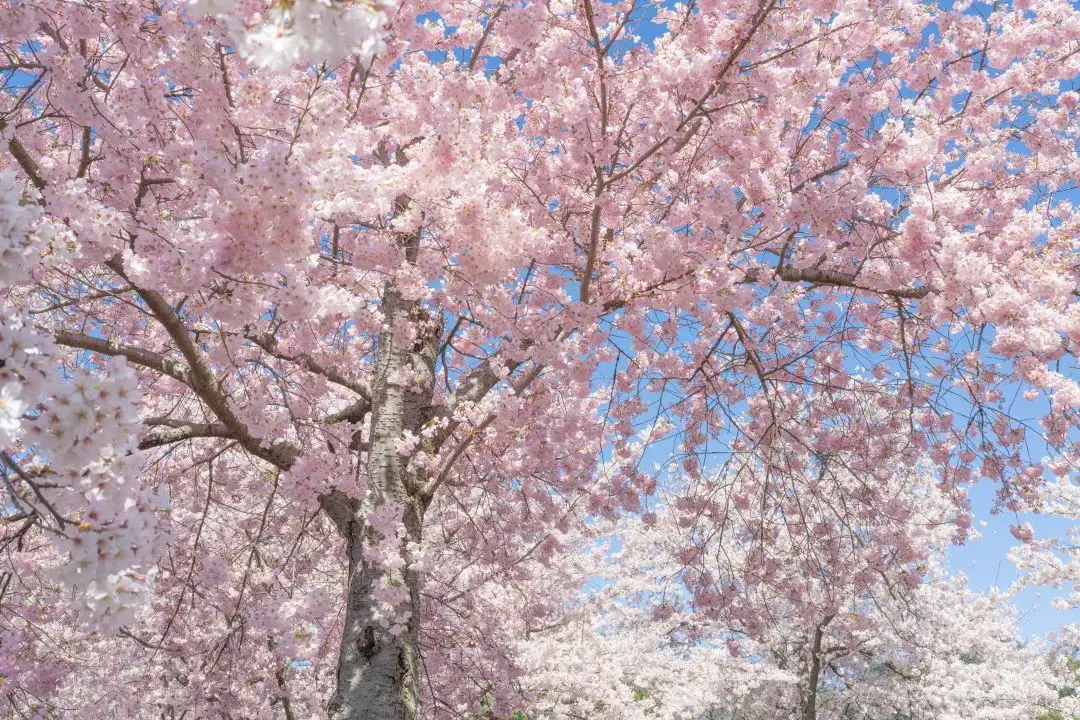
(810, 697)
(378, 674)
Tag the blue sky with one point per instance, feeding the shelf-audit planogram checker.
(985, 563)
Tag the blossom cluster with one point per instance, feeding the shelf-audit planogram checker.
(23, 235)
(70, 460)
(307, 32)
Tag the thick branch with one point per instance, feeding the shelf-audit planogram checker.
(27, 163)
(340, 508)
(178, 431)
(483, 37)
(354, 413)
(135, 355)
(472, 388)
(201, 377)
(824, 277)
(428, 491)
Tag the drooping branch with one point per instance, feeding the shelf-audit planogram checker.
(33, 485)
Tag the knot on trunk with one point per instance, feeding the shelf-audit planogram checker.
(365, 642)
(428, 329)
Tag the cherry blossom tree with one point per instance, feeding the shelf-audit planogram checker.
(853, 642)
(636, 646)
(414, 296)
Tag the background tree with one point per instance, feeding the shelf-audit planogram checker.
(854, 644)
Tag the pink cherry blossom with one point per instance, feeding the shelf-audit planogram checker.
(449, 360)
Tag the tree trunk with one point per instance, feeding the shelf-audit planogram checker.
(814, 673)
(378, 674)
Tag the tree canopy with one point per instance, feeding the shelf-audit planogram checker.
(566, 358)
